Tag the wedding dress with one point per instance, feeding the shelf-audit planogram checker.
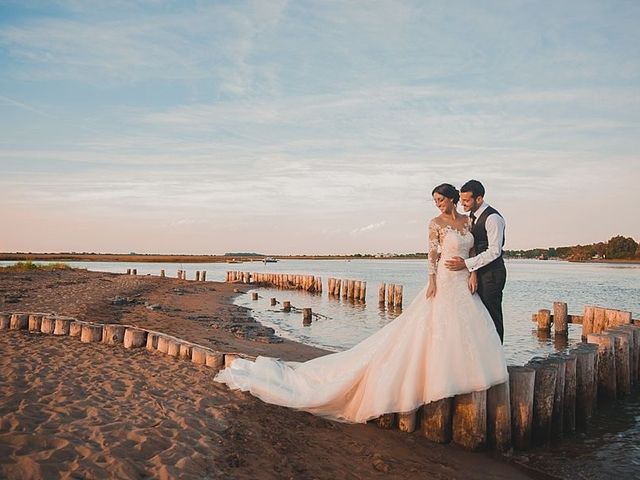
(437, 348)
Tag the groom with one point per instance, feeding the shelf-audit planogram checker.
(488, 234)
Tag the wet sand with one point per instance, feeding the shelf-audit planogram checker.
(74, 410)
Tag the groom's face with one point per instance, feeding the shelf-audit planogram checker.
(469, 202)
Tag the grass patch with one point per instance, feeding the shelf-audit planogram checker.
(29, 266)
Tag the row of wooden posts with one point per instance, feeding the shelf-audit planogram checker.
(543, 400)
(355, 290)
(115, 334)
(201, 276)
(593, 320)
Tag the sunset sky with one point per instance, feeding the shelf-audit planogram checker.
(313, 127)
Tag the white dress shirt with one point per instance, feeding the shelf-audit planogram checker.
(495, 225)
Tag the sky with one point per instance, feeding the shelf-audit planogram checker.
(313, 127)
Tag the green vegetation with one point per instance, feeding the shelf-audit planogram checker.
(617, 248)
(30, 266)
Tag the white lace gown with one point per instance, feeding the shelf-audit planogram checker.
(436, 348)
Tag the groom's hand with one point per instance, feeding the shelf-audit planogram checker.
(455, 263)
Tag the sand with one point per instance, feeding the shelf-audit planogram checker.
(74, 410)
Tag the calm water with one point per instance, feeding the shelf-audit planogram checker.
(609, 449)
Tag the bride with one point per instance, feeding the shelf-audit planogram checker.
(443, 344)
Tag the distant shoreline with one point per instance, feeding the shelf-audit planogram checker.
(162, 258)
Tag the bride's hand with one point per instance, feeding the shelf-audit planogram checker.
(431, 289)
(473, 282)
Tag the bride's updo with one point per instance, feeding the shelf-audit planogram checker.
(447, 190)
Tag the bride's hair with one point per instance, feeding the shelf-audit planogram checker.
(447, 190)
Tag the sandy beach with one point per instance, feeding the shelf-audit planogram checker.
(75, 410)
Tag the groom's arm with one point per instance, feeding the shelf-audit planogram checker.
(495, 225)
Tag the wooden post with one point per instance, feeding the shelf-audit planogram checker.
(622, 342)
(521, 392)
(599, 319)
(397, 296)
(407, 421)
(203, 276)
(197, 275)
(635, 355)
(437, 420)
(332, 286)
(363, 292)
(134, 338)
(557, 419)
(75, 328)
(128, 271)
(345, 288)
(588, 317)
(5, 321)
(199, 356)
(35, 321)
(544, 320)
(543, 400)
(606, 364)
(161, 273)
(134, 271)
(254, 296)
(381, 290)
(286, 306)
(350, 289)
(62, 326)
(273, 301)
(499, 417)
(390, 290)
(185, 351)
(569, 414)
(152, 341)
(19, 321)
(560, 318)
(470, 420)
(306, 316)
(356, 289)
(386, 421)
(214, 360)
(586, 383)
(337, 290)
(48, 325)
(173, 347)
(113, 334)
(90, 333)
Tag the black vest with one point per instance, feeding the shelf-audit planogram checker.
(480, 241)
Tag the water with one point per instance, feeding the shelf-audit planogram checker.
(609, 449)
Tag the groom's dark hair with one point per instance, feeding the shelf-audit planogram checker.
(473, 186)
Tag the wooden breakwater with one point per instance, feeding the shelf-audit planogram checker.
(546, 399)
(354, 290)
(127, 336)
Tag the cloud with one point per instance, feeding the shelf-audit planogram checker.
(368, 228)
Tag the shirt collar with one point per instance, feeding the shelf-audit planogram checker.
(482, 208)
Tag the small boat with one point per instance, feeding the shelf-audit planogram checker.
(270, 260)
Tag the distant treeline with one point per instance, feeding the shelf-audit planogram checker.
(617, 248)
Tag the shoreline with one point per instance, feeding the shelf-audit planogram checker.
(75, 399)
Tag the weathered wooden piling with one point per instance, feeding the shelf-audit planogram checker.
(397, 296)
(390, 291)
(386, 421)
(128, 271)
(544, 320)
(152, 341)
(606, 364)
(470, 420)
(90, 333)
(134, 271)
(134, 338)
(254, 296)
(586, 383)
(407, 421)
(5, 321)
(560, 318)
(214, 360)
(588, 318)
(543, 399)
(198, 355)
(437, 420)
(557, 418)
(75, 328)
(162, 273)
(363, 292)
(35, 321)
(286, 306)
(569, 414)
(521, 393)
(19, 321)
(499, 417)
(381, 289)
(48, 324)
(203, 276)
(306, 316)
(113, 334)
(622, 343)
(197, 275)
(62, 326)
(635, 352)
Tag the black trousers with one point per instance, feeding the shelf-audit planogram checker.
(490, 286)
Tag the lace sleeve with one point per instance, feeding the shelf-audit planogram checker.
(434, 244)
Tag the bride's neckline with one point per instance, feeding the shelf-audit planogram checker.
(465, 227)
